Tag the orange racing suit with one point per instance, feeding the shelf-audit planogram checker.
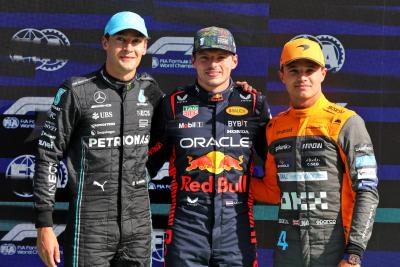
(322, 169)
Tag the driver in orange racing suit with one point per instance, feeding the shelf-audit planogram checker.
(320, 167)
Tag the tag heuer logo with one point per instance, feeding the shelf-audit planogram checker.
(190, 111)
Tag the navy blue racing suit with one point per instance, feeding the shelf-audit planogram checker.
(210, 140)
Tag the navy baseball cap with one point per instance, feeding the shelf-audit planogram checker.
(123, 21)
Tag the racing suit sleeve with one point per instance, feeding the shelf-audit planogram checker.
(159, 147)
(358, 155)
(260, 140)
(52, 144)
(267, 189)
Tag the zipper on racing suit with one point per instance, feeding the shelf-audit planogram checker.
(123, 92)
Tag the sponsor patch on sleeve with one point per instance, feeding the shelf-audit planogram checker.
(365, 161)
(366, 173)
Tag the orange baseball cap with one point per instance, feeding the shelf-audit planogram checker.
(302, 48)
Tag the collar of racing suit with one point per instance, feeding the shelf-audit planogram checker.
(115, 83)
(212, 98)
(305, 112)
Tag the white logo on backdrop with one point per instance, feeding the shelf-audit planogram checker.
(49, 37)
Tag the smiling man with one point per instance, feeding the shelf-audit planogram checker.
(320, 167)
(209, 131)
(100, 123)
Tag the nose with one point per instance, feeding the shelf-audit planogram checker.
(213, 62)
(128, 46)
(302, 75)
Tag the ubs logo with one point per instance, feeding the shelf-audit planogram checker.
(103, 115)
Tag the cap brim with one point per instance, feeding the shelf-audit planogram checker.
(211, 47)
(306, 58)
(119, 29)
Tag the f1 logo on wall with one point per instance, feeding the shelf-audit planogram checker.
(172, 53)
(19, 233)
(331, 47)
(28, 230)
(49, 37)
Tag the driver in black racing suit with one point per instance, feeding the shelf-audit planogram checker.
(101, 124)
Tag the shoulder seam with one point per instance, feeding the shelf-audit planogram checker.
(79, 82)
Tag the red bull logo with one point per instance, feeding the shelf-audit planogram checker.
(223, 185)
(215, 162)
(217, 97)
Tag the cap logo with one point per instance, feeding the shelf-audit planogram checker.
(304, 46)
(223, 41)
(201, 41)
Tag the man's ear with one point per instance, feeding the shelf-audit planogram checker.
(280, 74)
(104, 42)
(324, 71)
(145, 47)
(235, 61)
(193, 59)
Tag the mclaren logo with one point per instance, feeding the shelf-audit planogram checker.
(304, 46)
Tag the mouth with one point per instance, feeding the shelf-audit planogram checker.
(302, 86)
(126, 58)
(213, 73)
